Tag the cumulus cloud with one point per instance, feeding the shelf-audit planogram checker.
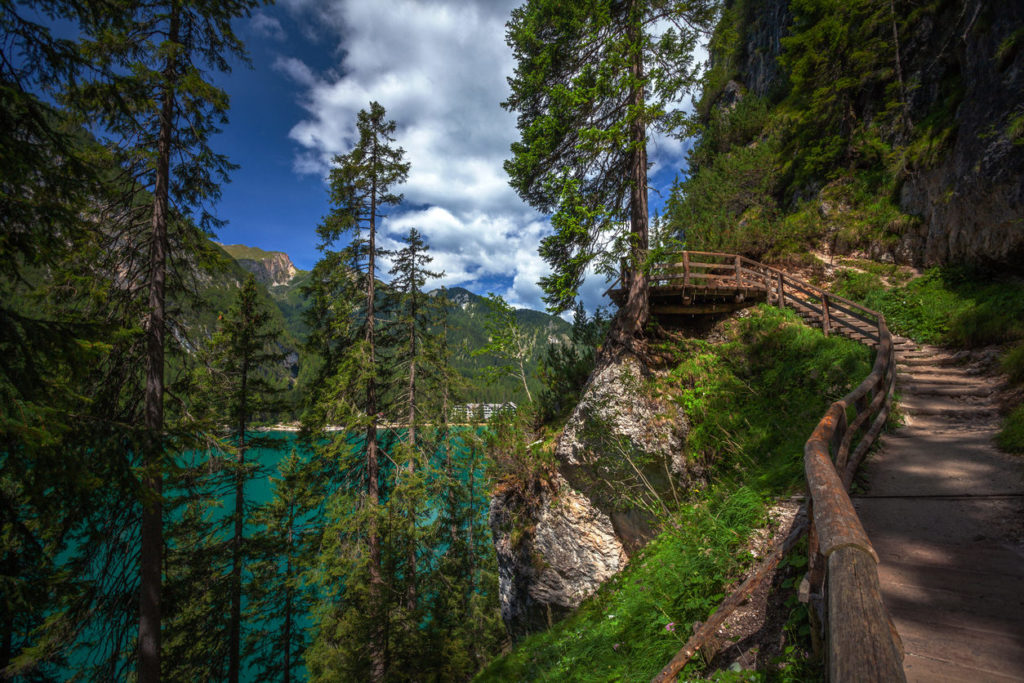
(439, 68)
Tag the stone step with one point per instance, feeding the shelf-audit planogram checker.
(918, 361)
(946, 407)
(942, 389)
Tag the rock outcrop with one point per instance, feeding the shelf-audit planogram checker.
(273, 269)
(963, 67)
(553, 552)
(971, 203)
(620, 455)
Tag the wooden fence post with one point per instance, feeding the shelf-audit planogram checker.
(826, 322)
(686, 269)
(782, 296)
(739, 271)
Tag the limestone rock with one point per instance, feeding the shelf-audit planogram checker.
(552, 554)
(275, 269)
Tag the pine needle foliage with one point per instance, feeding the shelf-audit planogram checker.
(592, 78)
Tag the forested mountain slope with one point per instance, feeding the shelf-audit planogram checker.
(282, 283)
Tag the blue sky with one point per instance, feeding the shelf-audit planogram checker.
(439, 68)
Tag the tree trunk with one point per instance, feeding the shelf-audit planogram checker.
(151, 532)
(288, 608)
(632, 317)
(235, 623)
(378, 646)
(410, 594)
(522, 376)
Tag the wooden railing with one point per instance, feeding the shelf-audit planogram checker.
(841, 586)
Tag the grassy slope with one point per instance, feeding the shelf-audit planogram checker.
(752, 403)
(238, 251)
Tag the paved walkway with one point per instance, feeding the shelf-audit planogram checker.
(945, 511)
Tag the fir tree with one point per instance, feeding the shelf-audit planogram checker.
(245, 350)
(278, 593)
(155, 103)
(344, 324)
(413, 351)
(592, 79)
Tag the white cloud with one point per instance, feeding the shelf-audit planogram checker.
(439, 68)
(267, 26)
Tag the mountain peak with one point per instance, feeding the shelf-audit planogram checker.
(271, 268)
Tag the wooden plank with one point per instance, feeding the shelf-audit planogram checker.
(696, 309)
(863, 645)
(708, 629)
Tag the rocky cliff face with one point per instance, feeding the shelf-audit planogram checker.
(964, 62)
(273, 269)
(620, 455)
(972, 202)
(553, 552)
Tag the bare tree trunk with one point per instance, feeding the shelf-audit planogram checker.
(151, 541)
(632, 317)
(522, 376)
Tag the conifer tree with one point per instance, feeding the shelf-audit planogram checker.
(592, 79)
(245, 350)
(157, 106)
(414, 365)
(344, 322)
(278, 593)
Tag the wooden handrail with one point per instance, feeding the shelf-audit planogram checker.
(841, 585)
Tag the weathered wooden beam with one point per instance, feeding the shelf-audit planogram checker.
(757, 576)
(863, 646)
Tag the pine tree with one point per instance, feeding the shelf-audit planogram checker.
(278, 593)
(54, 471)
(344, 322)
(414, 366)
(155, 104)
(245, 350)
(592, 79)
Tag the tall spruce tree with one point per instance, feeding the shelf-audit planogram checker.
(345, 325)
(279, 597)
(413, 366)
(593, 79)
(158, 107)
(56, 476)
(245, 351)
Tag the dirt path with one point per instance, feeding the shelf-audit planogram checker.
(945, 511)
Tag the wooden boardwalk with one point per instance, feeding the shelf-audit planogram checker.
(944, 510)
(937, 593)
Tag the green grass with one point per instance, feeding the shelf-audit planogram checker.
(752, 402)
(1011, 437)
(954, 305)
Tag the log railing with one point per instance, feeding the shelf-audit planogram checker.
(841, 586)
